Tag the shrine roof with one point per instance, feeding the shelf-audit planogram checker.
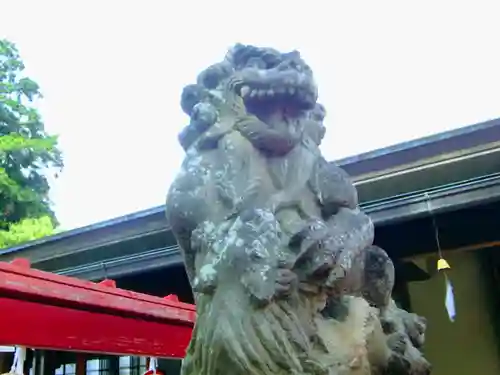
(417, 150)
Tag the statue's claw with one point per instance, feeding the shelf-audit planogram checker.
(285, 282)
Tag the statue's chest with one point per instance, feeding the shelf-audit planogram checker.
(294, 169)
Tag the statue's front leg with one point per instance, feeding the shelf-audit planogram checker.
(267, 274)
(247, 249)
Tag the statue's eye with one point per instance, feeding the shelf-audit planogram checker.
(271, 60)
(255, 62)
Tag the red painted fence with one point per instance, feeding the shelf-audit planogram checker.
(48, 311)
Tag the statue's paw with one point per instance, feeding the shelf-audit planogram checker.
(260, 285)
(388, 325)
(397, 342)
(264, 288)
(398, 365)
(415, 327)
(206, 280)
(286, 280)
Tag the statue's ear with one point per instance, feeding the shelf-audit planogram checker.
(315, 131)
(321, 133)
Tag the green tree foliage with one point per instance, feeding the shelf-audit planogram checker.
(26, 230)
(27, 155)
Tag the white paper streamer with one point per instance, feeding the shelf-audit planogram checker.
(153, 364)
(19, 358)
(449, 301)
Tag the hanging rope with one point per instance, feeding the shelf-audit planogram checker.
(442, 264)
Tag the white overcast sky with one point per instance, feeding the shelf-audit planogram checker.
(112, 72)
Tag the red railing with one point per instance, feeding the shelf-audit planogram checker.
(48, 311)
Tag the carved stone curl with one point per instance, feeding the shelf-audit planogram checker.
(279, 255)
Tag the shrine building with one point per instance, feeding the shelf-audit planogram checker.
(438, 192)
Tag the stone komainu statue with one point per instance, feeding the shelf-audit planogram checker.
(279, 256)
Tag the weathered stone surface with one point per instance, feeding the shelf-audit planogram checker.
(279, 255)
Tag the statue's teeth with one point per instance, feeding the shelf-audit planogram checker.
(262, 93)
(245, 90)
(254, 93)
(291, 90)
(270, 92)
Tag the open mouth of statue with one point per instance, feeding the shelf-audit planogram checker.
(264, 90)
